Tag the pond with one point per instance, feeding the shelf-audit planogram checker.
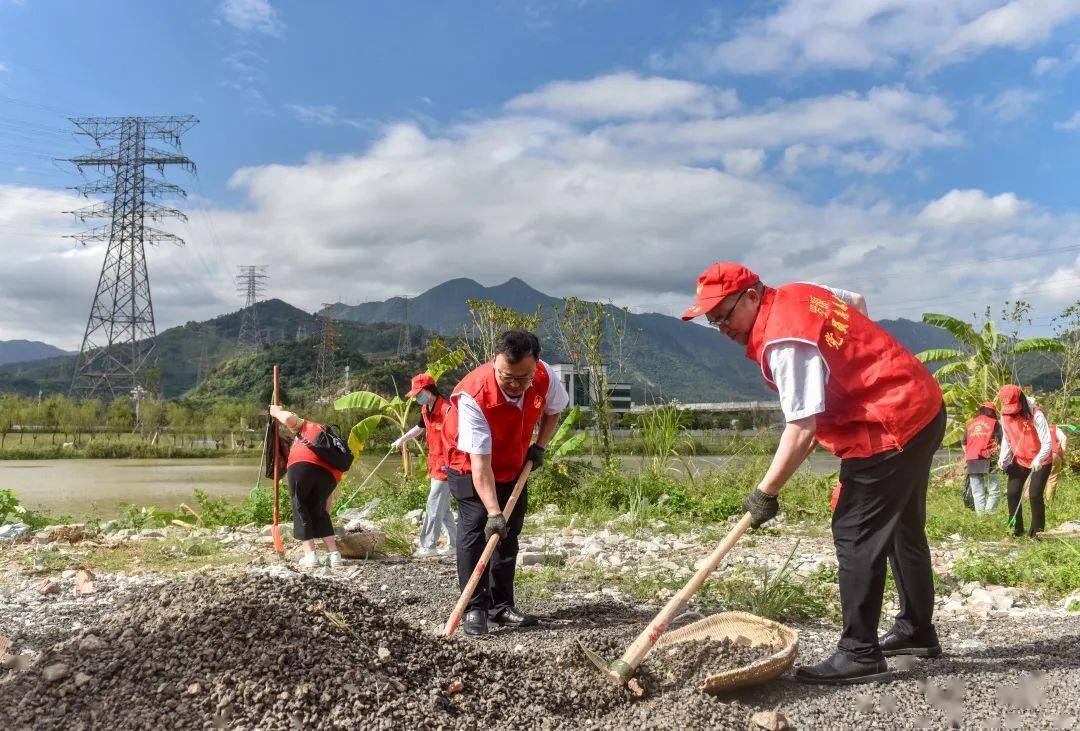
(84, 488)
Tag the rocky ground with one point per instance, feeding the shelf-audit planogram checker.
(241, 640)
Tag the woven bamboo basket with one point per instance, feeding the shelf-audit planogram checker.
(361, 545)
(733, 626)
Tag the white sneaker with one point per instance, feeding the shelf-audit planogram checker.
(309, 561)
(425, 553)
(334, 557)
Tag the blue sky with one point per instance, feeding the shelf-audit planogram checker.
(605, 148)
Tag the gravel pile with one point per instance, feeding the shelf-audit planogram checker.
(259, 651)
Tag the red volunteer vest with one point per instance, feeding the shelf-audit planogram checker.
(436, 448)
(980, 438)
(511, 427)
(1023, 437)
(1055, 444)
(300, 452)
(878, 395)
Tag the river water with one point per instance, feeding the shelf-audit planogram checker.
(84, 488)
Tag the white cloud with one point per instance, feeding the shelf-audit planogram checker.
(970, 207)
(1072, 123)
(556, 202)
(1011, 104)
(743, 161)
(325, 114)
(1016, 24)
(625, 95)
(892, 118)
(800, 36)
(1044, 64)
(251, 16)
(4, 68)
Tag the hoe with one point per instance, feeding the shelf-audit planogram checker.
(620, 671)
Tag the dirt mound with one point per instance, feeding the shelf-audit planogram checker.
(262, 651)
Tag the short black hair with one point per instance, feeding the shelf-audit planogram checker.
(516, 344)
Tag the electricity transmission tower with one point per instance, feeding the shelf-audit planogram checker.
(405, 340)
(324, 359)
(120, 331)
(250, 284)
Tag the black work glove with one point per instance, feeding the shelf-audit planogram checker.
(495, 524)
(761, 507)
(536, 455)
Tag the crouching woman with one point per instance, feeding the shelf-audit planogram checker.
(311, 484)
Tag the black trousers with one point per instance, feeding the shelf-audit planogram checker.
(881, 514)
(1015, 489)
(495, 592)
(309, 486)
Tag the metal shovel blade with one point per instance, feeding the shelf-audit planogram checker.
(617, 672)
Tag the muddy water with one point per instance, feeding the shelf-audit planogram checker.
(85, 488)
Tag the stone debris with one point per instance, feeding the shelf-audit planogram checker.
(771, 721)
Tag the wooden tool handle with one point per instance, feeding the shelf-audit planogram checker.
(645, 641)
(454, 619)
(276, 450)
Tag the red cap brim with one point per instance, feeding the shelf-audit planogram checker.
(701, 306)
(412, 393)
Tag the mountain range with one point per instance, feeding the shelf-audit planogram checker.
(665, 358)
(24, 351)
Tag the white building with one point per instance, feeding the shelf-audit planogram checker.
(576, 381)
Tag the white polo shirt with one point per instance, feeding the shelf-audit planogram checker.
(474, 433)
(799, 371)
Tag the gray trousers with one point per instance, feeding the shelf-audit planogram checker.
(438, 516)
(986, 491)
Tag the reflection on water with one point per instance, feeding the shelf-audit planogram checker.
(84, 488)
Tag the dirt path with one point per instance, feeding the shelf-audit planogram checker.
(253, 648)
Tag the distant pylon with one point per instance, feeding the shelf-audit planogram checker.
(405, 340)
(324, 360)
(120, 331)
(250, 284)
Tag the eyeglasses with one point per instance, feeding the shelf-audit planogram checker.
(519, 380)
(723, 321)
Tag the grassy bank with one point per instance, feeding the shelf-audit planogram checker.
(119, 450)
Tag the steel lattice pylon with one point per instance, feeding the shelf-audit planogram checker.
(120, 331)
(325, 350)
(250, 283)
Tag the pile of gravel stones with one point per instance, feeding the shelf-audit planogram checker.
(259, 650)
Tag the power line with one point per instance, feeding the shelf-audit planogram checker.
(250, 283)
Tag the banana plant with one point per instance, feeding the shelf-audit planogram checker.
(974, 372)
(395, 411)
(563, 443)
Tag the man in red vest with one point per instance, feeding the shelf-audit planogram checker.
(488, 433)
(433, 408)
(847, 384)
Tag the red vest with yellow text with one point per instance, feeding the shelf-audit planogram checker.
(436, 447)
(1023, 437)
(511, 427)
(300, 452)
(877, 396)
(980, 438)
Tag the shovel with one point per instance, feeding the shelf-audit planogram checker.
(454, 619)
(361, 487)
(275, 531)
(620, 671)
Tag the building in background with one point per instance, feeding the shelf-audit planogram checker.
(576, 381)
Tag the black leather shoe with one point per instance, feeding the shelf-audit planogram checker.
(841, 669)
(895, 643)
(513, 617)
(476, 622)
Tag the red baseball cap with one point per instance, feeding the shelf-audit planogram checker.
(419, 382)
(989, 405)
(1010, 396)
(716, 283)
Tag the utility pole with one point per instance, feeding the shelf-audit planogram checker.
(405, 341)
(324, 359)
(250, 284)
(120, 331)
(346, 379)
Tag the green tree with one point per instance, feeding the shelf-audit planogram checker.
(489, 321)
(979, 367)
(120, 416)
